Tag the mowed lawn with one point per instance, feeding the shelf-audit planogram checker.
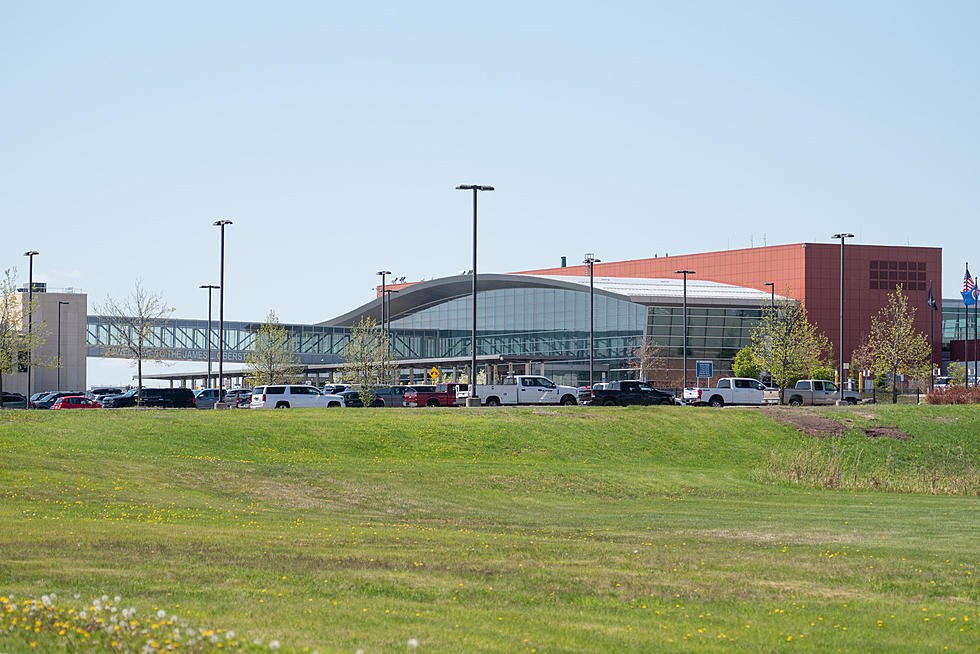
(517, 530)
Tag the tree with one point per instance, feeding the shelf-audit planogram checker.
(132, 322)
(787, 344)
(894, 347)
(745, 364)
(273, 359)
(367, 358)
(822, 372)
(647, 359)
(957, 373)
(15, 344)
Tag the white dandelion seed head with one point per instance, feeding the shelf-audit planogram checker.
(54, 596)
(83, 614)
(45, 600)
(76, 595)
(229, 635)
(105, 598)
(412, 643)
(161, 614)
(360, 651)
(116, 599)
(273, 644)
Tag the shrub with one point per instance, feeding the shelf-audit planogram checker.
(954, 395)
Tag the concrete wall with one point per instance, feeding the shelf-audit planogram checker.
(45, 371)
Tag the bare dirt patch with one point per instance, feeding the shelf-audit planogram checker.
(808, 423)
(887, 432)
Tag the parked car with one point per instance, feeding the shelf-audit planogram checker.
(100, 392)
(37, 396)
(333, 389)
(524, 389)
(817, 391)
(626, 393)
(390, 396)
(239, 397)
(48, 400)
(75, 402)
(168, 398)
(438, 395)
(346, 398)
(729, 390)
(207, 397)
(351, 399)
(13, 401)
(287, 396)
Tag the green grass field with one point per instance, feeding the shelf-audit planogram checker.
(517, 530)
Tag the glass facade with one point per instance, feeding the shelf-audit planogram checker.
(712, 333)
(954, 322)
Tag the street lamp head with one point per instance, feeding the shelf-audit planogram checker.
(383, 272)
(60, 302)
(473, 187)
(31, 253)
(210, 286)
(843, 236)
(221, 223)
(769, 284)
(684, 272)
(590, 258)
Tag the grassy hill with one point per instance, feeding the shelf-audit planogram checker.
(548, 530)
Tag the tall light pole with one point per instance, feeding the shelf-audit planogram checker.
(590, 261)
(772, 293)
(221, 311)
(685, 273)
(30, 315)
(473, 399)
(384, 311)
(840, 342)
(60, 302)
(210, 288)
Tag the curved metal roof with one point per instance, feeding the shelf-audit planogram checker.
(667, 292)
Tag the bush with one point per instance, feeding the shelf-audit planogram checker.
(954, 395)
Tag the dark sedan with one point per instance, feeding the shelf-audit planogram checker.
(13, 401)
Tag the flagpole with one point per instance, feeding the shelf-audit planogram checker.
(932, 341)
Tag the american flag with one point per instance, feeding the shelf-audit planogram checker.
(969, 288)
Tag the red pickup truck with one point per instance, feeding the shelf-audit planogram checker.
(438, 395)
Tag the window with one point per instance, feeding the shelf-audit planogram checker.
(743, 383)
(275, 390)
(725, 383)
(802, 385)
(646, 388)
(830, 386)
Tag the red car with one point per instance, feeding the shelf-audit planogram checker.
(438, 395)
(76, 402)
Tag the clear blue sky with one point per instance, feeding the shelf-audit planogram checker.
(333, 134)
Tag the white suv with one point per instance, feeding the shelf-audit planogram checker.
(282, 396)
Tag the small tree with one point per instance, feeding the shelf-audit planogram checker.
(787, 344)
(895, 348)
(367, 358)
(745, 364)
(823, 372)
(273, 359)
(15, 344)
(647, 360)
(132, 322)
(957, 374)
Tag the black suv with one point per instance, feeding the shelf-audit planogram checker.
(13, 401)
(170, 398)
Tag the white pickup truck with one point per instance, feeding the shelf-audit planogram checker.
(731, 390)
(523, 389)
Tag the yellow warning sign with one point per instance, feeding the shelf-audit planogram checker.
(434, 372)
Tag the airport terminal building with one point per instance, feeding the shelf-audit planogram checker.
(538, 320)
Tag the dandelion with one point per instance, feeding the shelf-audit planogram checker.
(273, 645)
(161, 614)
(412, 643)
